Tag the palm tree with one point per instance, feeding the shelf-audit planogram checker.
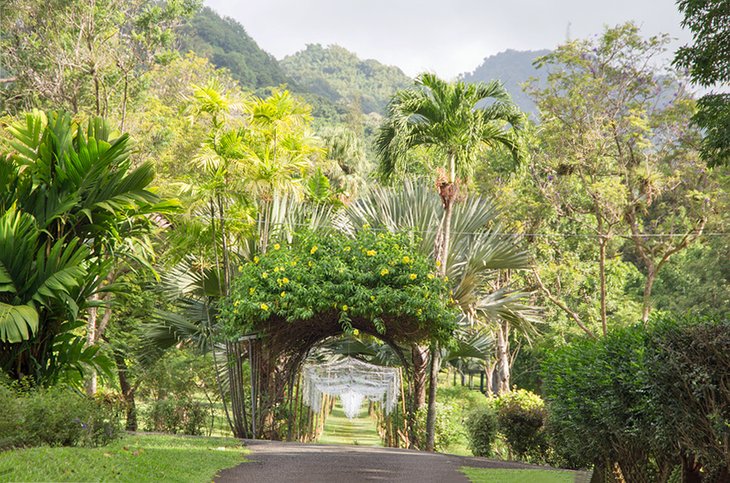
(459, 121)
(71, 208)
(480, 251)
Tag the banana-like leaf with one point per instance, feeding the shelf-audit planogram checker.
(17, 322)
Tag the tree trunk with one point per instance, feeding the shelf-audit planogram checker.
(648, 286)
(602, 276)
(432, 387)
(503, 360)
(127, 393)
(91, 380)
(419, 355)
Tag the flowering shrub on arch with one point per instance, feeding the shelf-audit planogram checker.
(372, 282)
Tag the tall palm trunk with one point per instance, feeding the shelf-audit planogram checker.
(447, 191)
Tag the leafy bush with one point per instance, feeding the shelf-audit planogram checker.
(645, 402)
(56, 416)
(481, 426)
(521, 419)
(447, 427)
(598, 404)
(688, 363)
(177, 416)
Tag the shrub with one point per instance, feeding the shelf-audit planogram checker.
(177, 416)
(56, 416)
(599, 407)
(688, 363)
(481, 427)
(645, 402)
(521, 419)
(447, 428)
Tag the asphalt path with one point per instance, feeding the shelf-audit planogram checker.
(273, 461)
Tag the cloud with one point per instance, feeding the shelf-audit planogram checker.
(439, 36)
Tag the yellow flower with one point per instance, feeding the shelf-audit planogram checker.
(256, 259)
(412, 276)
(372, 298)
(344, 308)
(381, 235)
(430, 276)
(284, 280)
(366, 226)
(251, 291)
(276, 269)
(446, 279)
(419, 312)
(370, 253)
(283, 294)
(264, 307)
(294, 263)
(235, 304)
(311, 264)
(276, 246)
(265, 275)
(384, 272)
(406, 259)
(240, 268)
(347, 249)
(355, 332)
(314, 249)
(438, 263)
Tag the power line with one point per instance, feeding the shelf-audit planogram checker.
(501, 234)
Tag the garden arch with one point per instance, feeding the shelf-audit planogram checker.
(292, 298)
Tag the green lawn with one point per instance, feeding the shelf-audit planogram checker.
(134, 458)
(340, 430)
(488, 475)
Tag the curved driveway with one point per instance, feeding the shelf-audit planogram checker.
(272, 461)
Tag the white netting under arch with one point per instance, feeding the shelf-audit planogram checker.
(353, 381)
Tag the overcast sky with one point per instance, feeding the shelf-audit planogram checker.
(443, 36)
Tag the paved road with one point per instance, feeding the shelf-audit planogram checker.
(304, 463)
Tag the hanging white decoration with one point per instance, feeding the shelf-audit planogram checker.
(353, 381)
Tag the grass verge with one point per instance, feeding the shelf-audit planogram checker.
(491, 475)
(134, 458)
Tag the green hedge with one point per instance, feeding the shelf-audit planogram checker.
(57, 416)
(648, 401)
(481, 426)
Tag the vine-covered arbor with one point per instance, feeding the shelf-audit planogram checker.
(298, 294)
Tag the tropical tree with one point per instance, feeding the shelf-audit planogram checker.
(708, 61)
(460, 122)
(479, 254)
(71, 207)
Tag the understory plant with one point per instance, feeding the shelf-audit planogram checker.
(56, 416)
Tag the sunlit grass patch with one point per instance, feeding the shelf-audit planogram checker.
(134, 458)
(494, 475)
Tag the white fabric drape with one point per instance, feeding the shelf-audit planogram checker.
(353, 381)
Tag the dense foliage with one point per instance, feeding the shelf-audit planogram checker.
(373, 276)
(658, 400)
(56, 416)
(521, 418)
(708, 60)
(339, 75)
(228, 46)
(72, 206)
(481, 426)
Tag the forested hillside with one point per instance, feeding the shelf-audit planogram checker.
(227, 44)
(338, 74)
(513, 68)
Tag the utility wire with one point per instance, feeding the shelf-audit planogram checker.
(499, 234)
